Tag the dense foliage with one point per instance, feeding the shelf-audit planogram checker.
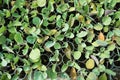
(71, 39)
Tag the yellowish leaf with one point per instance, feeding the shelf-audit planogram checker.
(53, 31)
(67, 52)
(73, 73)
(90, 64)
(12, 3)
(81, 18)
(101, 36)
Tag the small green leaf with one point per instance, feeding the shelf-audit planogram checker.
(49, 44)
(57, 45)
(111, 47)
(106, 54)
(110, 72)
(83, 2)
(17, 23)
(4, 62)
(2, 39)
(76, 66)
(64, 67)
(98, 27)
(117, 32)
(62, 7)
(41, 3)
(18, 38)
(34, 55)
(36, 21)
(66, 27)
(91, 76)
(31, 39)
(77, 55)
(38, 75)
(99, 43)
(51, 74)
(103, 77)
(113, 3)
(117, 39)
(100, 12)
(82, 34)
(2, 30)
(60, 37)
(106, 20)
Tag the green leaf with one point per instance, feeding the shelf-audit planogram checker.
(91, 76)
(57, 45)
(51, 74)
(64, 67)
(38, 75)
(100, 12)
(106, 54)
(106, 20)
(101, 68)
(103, 77)
(99, 43)
(18, 38)
(113, 3)
(76, 66)
(60, 37)
(41, 3)
(111, 47)
(82, 34)
(36, 21)
(2, 30)
(31, 39)
(49, 44)
(110, 72)
(66, 27)
(17, 23)
(62, 7)
(6, 1)
(90, 36)
(117, 39)
(4, 62)
(98, 27)
(81, 77)
(2, 39)
(34, 55)
(77, 55)
(83, 2)
(117, 32)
